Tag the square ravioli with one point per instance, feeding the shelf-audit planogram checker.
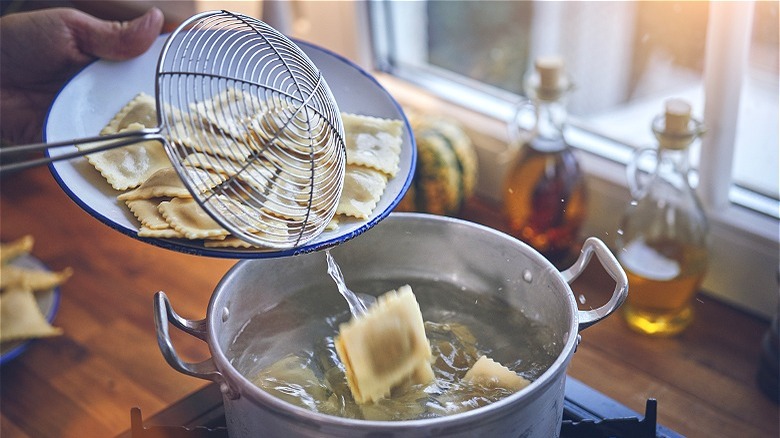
(373, 142)
(385, 347)
(363, 187)
(491, 374)
(198, 135)
(166, 183)
(141, 109)
(188, 218)
(229, 110)
(146, 211)
(128, 166)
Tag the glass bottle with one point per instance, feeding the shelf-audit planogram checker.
(545, 195)
(662, 240)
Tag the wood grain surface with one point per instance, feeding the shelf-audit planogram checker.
(84, 383)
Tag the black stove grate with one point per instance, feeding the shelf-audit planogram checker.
(586, 414)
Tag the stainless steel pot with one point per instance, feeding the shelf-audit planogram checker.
(407, 246)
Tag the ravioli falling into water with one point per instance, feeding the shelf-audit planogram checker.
(385, 347)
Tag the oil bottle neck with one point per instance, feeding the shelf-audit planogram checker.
(674, 161)
(550, 122)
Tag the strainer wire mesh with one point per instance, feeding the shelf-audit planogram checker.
(239, 98)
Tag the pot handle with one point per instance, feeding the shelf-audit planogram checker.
(163, 316)
(610, 264)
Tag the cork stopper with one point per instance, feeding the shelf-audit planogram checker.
(550, 69)
(548, 81)
(677, 117)
(675, 128)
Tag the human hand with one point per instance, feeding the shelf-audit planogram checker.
(42, 49)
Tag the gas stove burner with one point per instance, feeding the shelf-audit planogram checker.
(586, 414)
(575, 424)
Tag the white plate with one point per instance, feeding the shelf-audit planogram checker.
(86, 104)
(48, 302)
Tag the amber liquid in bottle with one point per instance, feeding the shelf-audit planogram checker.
(545, 199)
(662, 242)
(664, 276)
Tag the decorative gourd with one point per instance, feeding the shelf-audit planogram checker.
(446, 170)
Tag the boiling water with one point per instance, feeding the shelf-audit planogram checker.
(289, 351)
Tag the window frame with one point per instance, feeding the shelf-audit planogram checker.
(745, 259)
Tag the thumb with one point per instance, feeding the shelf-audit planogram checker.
(118, 40)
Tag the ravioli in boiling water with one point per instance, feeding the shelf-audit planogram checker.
(385, 347)
(459, 335)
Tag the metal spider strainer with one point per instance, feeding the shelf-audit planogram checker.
(247, 108)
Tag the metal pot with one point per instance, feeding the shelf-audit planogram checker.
(407, 246)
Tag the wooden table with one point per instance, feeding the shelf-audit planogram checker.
(84, 383)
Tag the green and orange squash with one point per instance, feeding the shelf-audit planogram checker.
(446, 171)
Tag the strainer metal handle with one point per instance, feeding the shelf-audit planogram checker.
(101, 143)
(164, 315)
(610, 264)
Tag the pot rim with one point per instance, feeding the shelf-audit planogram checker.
(280, 407)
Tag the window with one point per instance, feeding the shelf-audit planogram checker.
(756, 159)
(625, 58)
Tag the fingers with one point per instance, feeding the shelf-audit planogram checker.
(116, 40)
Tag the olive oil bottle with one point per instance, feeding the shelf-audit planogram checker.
(545, 194)
(662, 241)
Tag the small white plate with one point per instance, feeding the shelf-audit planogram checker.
(48, 302)
(86, 104)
